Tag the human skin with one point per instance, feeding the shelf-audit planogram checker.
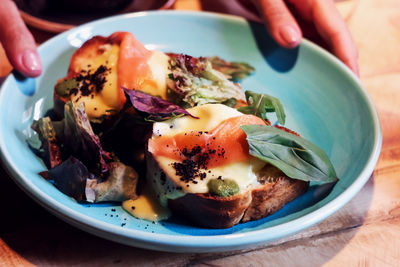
(289, 20)
(17, 41)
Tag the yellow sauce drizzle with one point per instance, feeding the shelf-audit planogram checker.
(146, 207)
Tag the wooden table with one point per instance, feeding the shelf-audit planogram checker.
(364, 232)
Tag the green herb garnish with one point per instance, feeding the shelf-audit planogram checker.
(260, 104)
(293, 155)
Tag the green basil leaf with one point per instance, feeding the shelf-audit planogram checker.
(260, 104)
(296, 157)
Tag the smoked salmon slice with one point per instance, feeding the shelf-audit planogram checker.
(132, 60)
(225, 144)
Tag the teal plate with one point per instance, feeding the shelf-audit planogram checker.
(324, 101)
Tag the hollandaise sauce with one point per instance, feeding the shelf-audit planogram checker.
(146, 207)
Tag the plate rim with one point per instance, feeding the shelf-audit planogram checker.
(205, 243)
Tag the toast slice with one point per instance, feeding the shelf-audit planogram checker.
(273, 190)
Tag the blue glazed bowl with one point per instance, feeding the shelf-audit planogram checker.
(324, 101)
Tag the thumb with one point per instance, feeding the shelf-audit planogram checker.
(17, 41)
(279, 22)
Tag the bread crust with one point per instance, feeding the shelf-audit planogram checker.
(90, 49)
(271, 197)
(211, 211)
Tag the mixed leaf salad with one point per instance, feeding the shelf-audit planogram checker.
(102, 159)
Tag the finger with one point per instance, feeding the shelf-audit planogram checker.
(333, 29)
(17, 41)
(279, 22)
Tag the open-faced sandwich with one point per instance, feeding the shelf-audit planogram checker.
(172, 134)
(201, 169)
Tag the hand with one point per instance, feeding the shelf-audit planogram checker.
(288, 20)
(17, 41)
(318, 20)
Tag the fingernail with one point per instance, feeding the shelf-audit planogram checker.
(31, 62)
(290, 35)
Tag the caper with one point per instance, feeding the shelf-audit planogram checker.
(223, 187)
(63, 88)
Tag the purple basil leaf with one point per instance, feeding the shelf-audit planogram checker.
(153, 105)
(81, 141)
(70, 178)
(50, 149)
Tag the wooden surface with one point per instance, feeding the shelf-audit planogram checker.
(365, 232)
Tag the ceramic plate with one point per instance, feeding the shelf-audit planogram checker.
(324, 101)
